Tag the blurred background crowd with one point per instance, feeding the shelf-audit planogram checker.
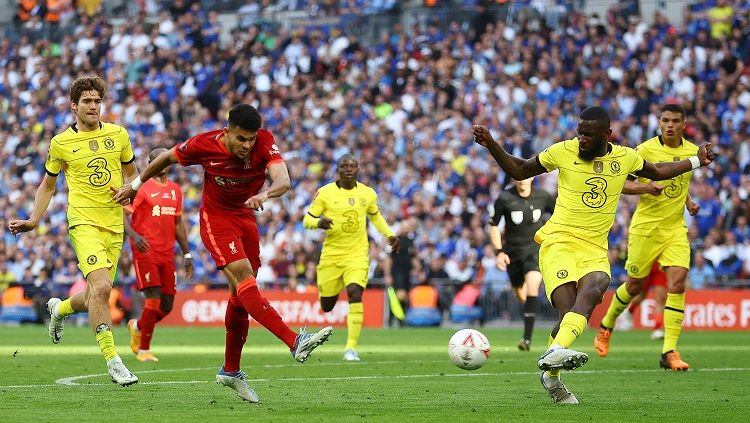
(397, 84)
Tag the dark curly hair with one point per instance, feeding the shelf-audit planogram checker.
(86, 83)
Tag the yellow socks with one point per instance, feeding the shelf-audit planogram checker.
(571, 328)
(674, 311)
(64, 308)
(106, 341)
(354, 324)
(620, 301)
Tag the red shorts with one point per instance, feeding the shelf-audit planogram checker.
(657, 277)
(156, 272)
(230, 238)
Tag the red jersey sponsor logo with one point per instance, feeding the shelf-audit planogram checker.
(229, 180)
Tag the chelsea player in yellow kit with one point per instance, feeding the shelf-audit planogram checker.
(573, 242)
(95, 157)
(342, 208)
(658, 233)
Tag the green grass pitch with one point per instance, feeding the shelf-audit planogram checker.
(404, 376)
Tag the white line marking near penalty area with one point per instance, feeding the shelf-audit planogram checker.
(72, 381)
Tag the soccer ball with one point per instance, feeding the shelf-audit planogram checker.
(469, 349)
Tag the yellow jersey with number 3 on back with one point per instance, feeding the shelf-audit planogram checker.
(663, 214)
(92, 163)
(588, 191)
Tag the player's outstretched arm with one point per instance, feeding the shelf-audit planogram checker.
(41, 201)
(518, 168)
(127, 192)
(668, 170)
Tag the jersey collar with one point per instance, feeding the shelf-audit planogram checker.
(75, 128)
(661, 141)
(340, 187)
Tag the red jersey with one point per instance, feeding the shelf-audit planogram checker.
(229, 181)
(155, 210)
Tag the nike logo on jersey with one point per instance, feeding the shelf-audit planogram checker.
(214, 163)
(76, 150)
(154, 194)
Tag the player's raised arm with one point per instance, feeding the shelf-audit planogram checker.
(126, 193)
(668, 170)
(41, 201)
(518, 168)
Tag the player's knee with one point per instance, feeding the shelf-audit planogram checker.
(354, 292)
(634, 286)
(99, 291)
(328, 303)
(166, 307)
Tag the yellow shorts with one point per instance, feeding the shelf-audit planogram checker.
(564, 259)
(96, 248)
(333, 277)
(644, 250)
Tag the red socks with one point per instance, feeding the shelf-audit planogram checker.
(151, 314)
(236, 323)
(260, 310)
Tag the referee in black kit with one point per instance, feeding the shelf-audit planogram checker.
(523, 208)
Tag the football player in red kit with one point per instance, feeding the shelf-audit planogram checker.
(235, 161)
(156, 225)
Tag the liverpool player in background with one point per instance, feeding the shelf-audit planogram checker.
(157, 223)
(235, 160)
(523, 208)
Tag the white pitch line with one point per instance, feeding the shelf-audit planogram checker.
(71, 380)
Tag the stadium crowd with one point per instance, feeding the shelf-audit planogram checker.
(403, 104)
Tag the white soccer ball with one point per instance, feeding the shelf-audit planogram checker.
(469, 349)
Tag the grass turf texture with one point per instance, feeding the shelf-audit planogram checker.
(404, 375)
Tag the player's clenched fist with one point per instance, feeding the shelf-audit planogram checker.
(706, 154)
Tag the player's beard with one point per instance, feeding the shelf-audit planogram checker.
(589, 155)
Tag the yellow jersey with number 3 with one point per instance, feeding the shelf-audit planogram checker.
(348, 209)
(587, 191)
(92, 163)
(663, 214)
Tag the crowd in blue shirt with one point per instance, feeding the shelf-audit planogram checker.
(404, 105)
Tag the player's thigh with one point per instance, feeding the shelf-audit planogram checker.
(676, 253)
(330, 279)
(92, 246)
(251, 242)
(222, 237)
(557, 263)
(114, 247)
(356, 273)
(642, 252)
(168, 276)
(147, 273)
(591, 258)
